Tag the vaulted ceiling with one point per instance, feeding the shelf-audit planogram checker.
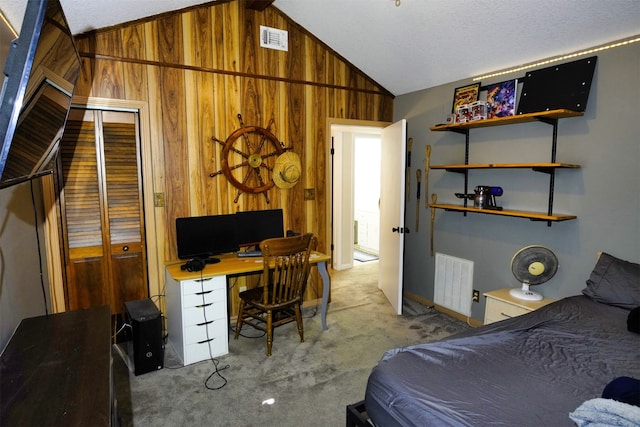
(408, 45)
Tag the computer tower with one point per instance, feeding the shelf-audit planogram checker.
(146, 329)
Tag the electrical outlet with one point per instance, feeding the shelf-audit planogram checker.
(309, 194)
(476, 295)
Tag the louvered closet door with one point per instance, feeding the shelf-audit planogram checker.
(102, 210)
(87, 283)
(124, 209)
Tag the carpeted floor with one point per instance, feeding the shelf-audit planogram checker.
(310, 383)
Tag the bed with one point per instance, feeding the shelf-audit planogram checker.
(531, 370)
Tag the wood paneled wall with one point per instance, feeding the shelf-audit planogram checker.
(198, 69)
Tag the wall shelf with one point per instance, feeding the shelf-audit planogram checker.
(549, 117)
(534, 216)
(539, 167)
(511, 120)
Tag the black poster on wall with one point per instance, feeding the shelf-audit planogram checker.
(560, 86)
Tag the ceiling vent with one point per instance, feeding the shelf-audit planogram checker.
(272, 38)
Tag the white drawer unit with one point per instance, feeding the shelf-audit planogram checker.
(501, 305)
(197, 321)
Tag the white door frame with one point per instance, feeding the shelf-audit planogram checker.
(334, 225)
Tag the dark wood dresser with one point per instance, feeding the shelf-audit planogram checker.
(56, 371)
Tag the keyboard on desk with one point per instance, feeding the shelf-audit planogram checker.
(249, 254)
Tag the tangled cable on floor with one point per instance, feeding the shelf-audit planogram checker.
(216, 372)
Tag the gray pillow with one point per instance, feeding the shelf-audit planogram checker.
(614, 282)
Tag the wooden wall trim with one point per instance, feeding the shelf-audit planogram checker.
(231, 73)
(258, 5)
(55, 263)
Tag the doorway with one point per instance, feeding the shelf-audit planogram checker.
(102, 209)
(366, 197)
(393, 139)
(356, 193)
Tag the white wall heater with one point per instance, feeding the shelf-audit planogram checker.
(454, 283)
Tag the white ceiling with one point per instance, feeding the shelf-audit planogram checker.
(420, 43)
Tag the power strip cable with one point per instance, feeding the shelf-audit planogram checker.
(217, 371)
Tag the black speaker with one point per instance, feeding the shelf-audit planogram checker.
(146, 328)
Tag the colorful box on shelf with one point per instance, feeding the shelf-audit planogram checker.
(463, 113)
(469, 112)
(451, 119)
(478, 110)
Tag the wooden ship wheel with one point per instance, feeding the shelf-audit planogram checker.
(248, 157)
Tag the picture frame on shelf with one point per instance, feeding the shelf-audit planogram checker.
(501, 99)
(465, 95)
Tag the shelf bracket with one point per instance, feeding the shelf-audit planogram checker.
(466, 162)
(547, 120)
(552, 172)
(455, 210)
(541, 220)
(543, 170)
(460, 131)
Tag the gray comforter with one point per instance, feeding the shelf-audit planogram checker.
(531, 370)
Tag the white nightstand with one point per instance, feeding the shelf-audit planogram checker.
(501, 305)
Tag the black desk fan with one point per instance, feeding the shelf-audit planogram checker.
(532, 265)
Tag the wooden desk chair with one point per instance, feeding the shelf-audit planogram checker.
(277, 301)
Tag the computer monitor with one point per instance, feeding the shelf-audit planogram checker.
(204, 236)
(256, 226)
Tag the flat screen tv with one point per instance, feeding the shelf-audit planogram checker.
(41, 69)
(204, 236)
(256, 226)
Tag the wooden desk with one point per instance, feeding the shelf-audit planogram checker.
(231, 264)
(56, 371)
(197, 304)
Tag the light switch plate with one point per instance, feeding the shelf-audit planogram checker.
(158, 200)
